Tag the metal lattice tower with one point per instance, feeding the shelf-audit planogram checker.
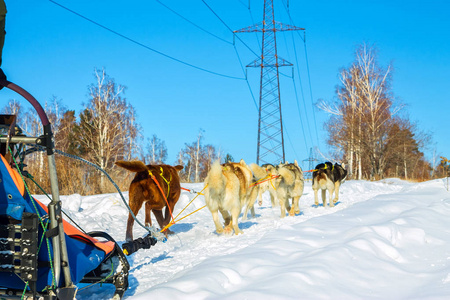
(311, 159)
(270, 148)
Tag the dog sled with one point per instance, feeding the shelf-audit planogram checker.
(41, 255)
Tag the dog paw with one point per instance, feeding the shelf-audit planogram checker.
(228, 230)
(238, 232)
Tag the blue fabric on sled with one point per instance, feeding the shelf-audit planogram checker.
(83, 256)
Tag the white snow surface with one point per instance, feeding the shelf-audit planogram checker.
(387, 239)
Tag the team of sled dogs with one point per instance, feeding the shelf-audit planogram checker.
(229, 188)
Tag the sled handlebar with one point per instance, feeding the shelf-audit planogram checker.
(37, 106)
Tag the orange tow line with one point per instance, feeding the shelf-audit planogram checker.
(269, 177)
(164, 195)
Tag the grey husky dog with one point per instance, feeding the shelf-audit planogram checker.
(288, 184)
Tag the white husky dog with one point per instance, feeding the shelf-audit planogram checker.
(222, 194)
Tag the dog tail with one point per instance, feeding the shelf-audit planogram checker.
(215, 180)
(133, 166)
(258, 172)
(287, 175)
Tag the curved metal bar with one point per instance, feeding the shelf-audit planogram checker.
(37, 106)
(61, 259)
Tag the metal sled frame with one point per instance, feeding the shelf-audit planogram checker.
(61, 265)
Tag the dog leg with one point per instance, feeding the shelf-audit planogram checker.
(167, 219)
(336, 191)
(295, 209)
(288, 204)
(324, 198)
(159, 217)
(331, 191)
(234, 220)
(219, 227)
(251, 202)
(135, 206)
(252, 211)
(226, 216)
(244, 215)
(316, 197)
(260, 200)
(148, 217)
(246, 208)
(273, 197)
(282, 207)
(129, 232)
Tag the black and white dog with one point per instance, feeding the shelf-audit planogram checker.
(329, 177)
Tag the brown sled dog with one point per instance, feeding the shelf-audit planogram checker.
(143, 189)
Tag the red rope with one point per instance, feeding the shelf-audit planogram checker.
(162, 192)
(256, 183)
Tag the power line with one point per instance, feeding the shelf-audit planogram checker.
(246, 78)
(307, 68)
(247, 6)
(300, 116)
(302, 94)
(228, 27)
(310, 91)
(301, 89)
(192, 23)
(290, 141)
(144, 46)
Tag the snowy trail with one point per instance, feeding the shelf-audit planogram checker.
(268, 242)
(196, 239)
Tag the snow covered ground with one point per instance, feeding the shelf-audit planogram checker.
(385, 240)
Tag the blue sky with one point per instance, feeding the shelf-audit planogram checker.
(52, 52)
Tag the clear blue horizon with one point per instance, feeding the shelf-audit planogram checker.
(51, 51)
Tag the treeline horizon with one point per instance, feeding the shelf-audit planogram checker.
(366, 130)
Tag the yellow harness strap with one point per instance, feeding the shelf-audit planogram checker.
(160, 189)
(167, 182)
(272, 182)
(175, 220)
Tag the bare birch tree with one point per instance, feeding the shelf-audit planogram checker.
(197, 159)
(156, 151)
(361, 119)
(105, 133)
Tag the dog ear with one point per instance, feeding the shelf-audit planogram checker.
(242, 162)
(178, 168)
(296, 163)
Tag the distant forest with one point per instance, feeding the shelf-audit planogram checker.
(366, 130)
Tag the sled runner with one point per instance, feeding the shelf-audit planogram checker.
(41, 255)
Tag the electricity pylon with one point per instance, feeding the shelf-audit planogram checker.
(311, 159)
(270, 148)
